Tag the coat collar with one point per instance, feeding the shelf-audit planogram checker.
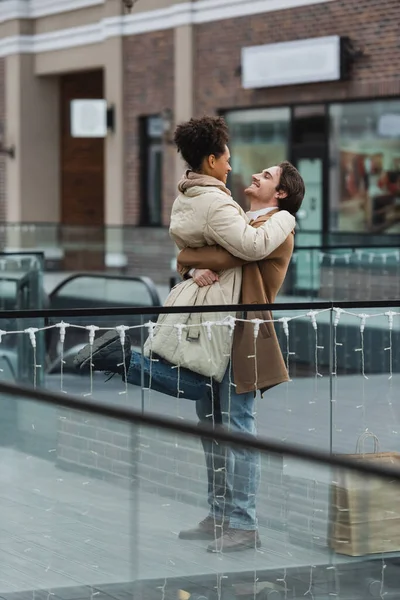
(263, 218)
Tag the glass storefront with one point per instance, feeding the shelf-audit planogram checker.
(365, 167)
(357, 146)
(259, 138)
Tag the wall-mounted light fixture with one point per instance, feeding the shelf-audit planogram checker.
(10, 151)
(129, 4)
(111, 118)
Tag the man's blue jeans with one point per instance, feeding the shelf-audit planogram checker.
(233, 472)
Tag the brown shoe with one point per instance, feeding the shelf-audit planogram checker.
(234, 540)
(206, 529)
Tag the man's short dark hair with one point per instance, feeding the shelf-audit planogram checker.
(199, 138)
(291, 182)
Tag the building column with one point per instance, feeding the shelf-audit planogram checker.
(114, 151)
(183, 83)
(113, 52)
(32, 109)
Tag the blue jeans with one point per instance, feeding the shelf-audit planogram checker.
(233, 473)
(164, 378)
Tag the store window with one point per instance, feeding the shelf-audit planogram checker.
(258, 138)
(151, 135)
(365, 167)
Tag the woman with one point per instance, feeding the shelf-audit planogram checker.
(204, 213)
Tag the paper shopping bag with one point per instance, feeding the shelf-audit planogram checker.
(365, 510)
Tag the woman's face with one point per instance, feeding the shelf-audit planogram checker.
(218, 167)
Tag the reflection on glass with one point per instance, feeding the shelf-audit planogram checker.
(258, 139)
(365, 167)
(99, 512)
(346, 273)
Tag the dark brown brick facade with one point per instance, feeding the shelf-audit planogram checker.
(3, 159)
(372, 26)
(149, 89)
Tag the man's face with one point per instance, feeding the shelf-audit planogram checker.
(263, 186)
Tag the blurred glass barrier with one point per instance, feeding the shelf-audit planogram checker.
(125, 250)
(343, 364)
(21, 280)
(99, 513)
(149, 251)
(344, 273)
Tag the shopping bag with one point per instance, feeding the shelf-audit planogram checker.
(365, 510)
(162, 376)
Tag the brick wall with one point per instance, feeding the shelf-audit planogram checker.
(3, 159)
(372, 26)
(149, 88)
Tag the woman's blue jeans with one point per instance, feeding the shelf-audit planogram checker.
(164, 378)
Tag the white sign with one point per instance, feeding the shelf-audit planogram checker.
(88, 118)
(290, 63)
(389, 125)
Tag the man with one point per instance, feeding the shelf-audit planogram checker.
(233, 473)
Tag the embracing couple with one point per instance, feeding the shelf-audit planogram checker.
(226, 257)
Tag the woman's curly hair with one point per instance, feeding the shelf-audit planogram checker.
(198, 138)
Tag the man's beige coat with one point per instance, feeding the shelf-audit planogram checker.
(204, 214)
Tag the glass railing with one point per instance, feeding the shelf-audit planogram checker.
(21, 280)
(101, 511)
(347, 239)
(127, 250)
(146, 251)
(343, 362)
(344, 273)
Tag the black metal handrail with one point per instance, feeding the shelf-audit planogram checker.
(352, 247)
(196, 430)
(162, 310)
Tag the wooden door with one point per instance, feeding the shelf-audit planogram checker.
(82, 179)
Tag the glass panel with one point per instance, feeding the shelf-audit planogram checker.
(67, 508)
(365, 167)
(155, 127)
(21, 278)
(105, 512)
(309, 521)
(135, 251)
(90, 291)
(297, 411)
(258, 139)
(345, 273)
(310, 217)
(155, 184)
